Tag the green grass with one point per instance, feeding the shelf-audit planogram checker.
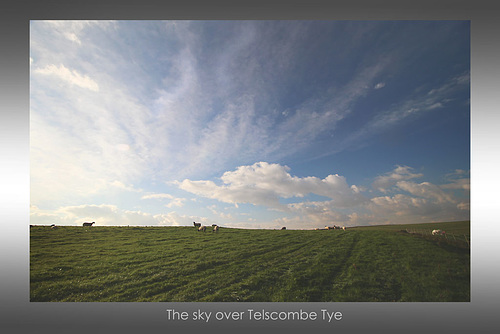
(172, 264)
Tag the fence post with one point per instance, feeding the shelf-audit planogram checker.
(467, 241)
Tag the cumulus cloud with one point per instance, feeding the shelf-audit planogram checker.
(264, 184)
(462, 184)
(458, 180)
(379, 85)
(426, 190)
(400, 173)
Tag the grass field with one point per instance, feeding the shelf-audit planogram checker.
(179, 264)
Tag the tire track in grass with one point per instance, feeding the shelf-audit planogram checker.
(288, 270)
(239, 265)
(262, 259)
(366, 275)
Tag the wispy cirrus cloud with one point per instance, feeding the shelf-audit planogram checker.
(69, 76)
(414, 105)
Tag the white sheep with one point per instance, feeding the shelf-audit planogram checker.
(438, 232)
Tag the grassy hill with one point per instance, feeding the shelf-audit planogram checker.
(383, 263)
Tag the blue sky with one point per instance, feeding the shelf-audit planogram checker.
(251, 124)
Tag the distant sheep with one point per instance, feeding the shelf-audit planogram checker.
(283, 228)
(202, 228)
(216, 228)
(53, 226)
(438, 232)
(197, 224)
(88, 224)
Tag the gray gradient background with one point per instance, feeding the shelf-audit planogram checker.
(17, 314)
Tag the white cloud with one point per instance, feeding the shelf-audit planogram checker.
(69, 76)
(174, 201)
(426, 190)
(123, 186)
(379, 85)
(400, 173)
(213, 209)
(73, 37)
(156, 196)
(264, 184)
(72, 29)
(458, 179)
(179, 202)
(461, 184)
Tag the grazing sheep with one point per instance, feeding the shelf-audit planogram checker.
(53, 226)
(438, 232)
(88, 224)
(216, 228)
(202, 228)
(283, 228)
(197, 224)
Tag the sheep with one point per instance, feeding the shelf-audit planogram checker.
(216, 228)
(283, 228)
(53, 226)
(438, 232)
(202, 228)
(88, 224)
(197, 224)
